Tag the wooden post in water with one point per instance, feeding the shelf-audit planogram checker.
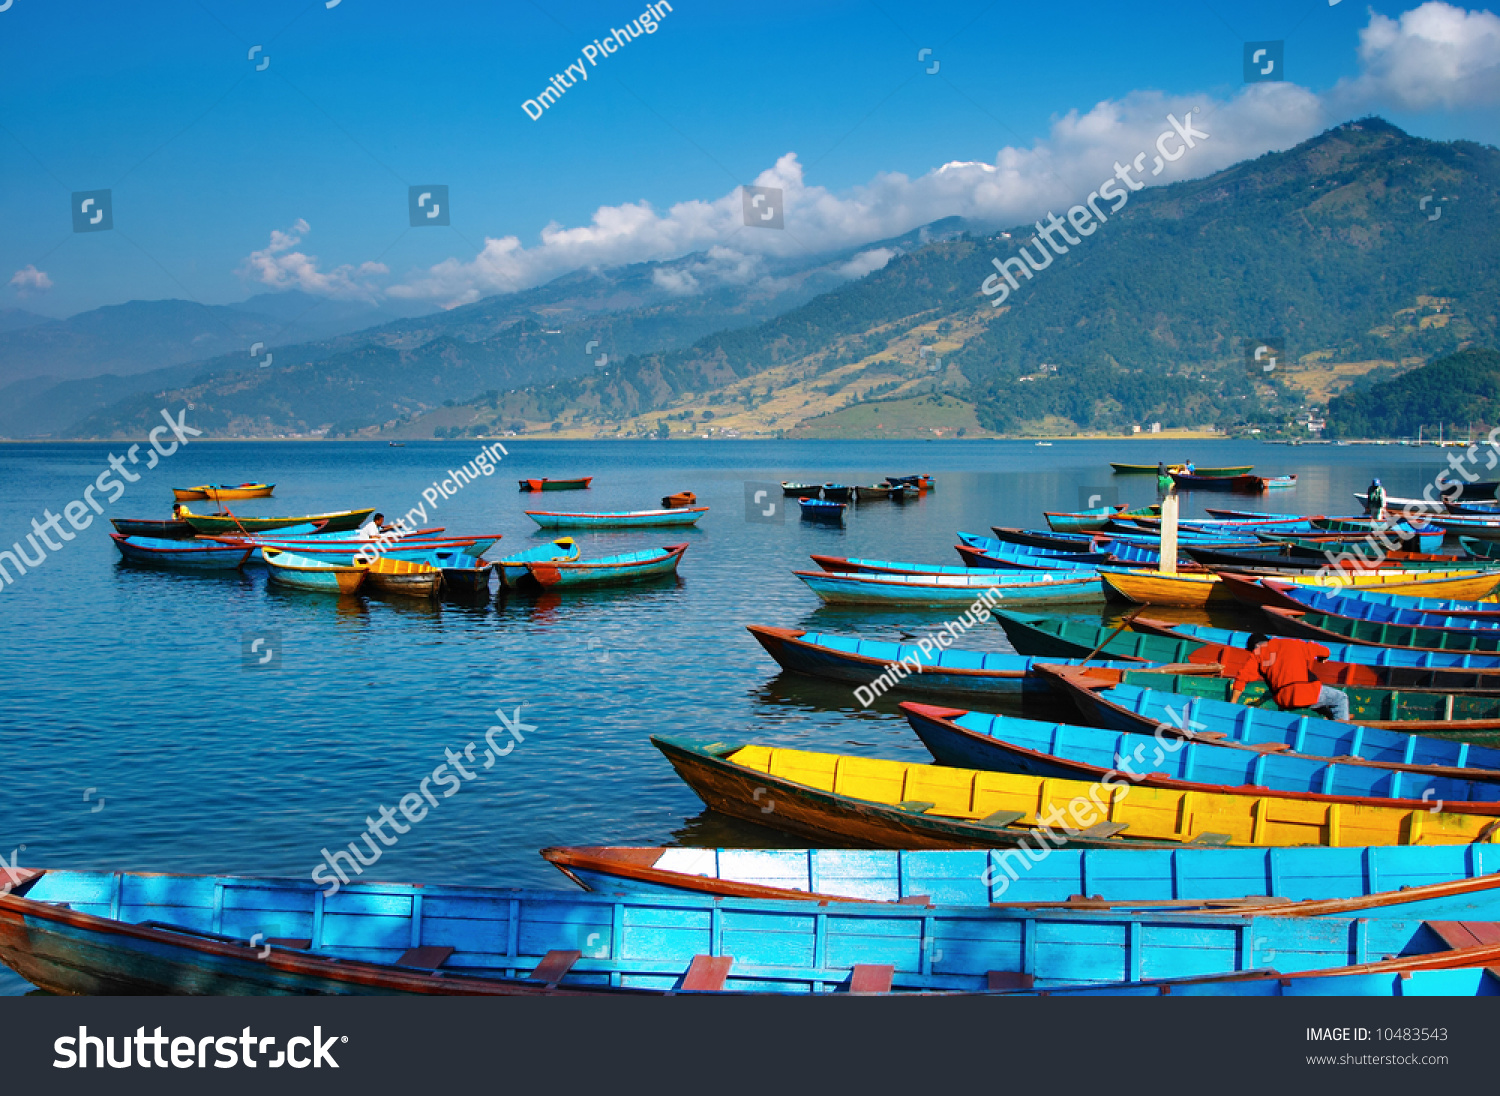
(1168, 565)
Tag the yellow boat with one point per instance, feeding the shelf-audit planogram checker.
(220, 492)
(898, 804)
(1198, 591)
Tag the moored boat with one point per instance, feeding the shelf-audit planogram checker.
(1001, 743)
(837, 492)
(221, 492)
(1341, 629)
(336, 521)
(617, 519)
(945, 591)
(679, 500)
(556, 484)
(185, 554)
(512, 568)
(608, 570)
(800, 490)
(867, 801)
(405, 577)
(290, 569)
(821, 510)
(173, 529)
(875, 493)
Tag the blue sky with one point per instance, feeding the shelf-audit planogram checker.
(206, 156)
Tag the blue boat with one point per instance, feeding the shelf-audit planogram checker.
(860, 661)
(954, 591)
(608, 570)
(840, 565)
(127, 932)
(512, 568)
(837, 492)
(999, 743)
(1358, 653)
(1165, 878)
(1434, 606)
(1393, 978)
(1318, 600)
(617, 519)
(996, 554)
(1133, 708)
(822, 510)
(191, 555)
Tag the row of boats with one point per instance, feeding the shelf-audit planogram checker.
(1139, 829)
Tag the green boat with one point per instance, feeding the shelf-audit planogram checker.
(1326, 627)
(335, 522)
(1059, 637)
(1393, 709)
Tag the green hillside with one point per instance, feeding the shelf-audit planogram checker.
(1454, 394)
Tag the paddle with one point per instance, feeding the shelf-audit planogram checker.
(1124, 623)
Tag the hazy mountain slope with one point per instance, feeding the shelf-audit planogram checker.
(1452, 394)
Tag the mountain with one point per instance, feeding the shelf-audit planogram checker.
(574, 326)
(1454, 394)
(12, 319)
(1326, 251)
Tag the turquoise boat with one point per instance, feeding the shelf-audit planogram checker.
(858, 661)
(989, 552)
(608, 570)
(1314, 599)
(1432, 605)
(1000, 743)
(86, 932)
(618, 519)
(512, 568)
(306, 573)
(1459, 881)
(190, 555)
(956, 591)
(839, 565)
(1133, 708)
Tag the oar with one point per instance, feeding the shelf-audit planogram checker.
(1123, 625)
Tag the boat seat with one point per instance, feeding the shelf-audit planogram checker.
(429, 958)
(1211, 839)
(1001, 818)
(915, 900)
(554, 966)
(916, 806)
(1104, 829)
(706, 973)
(871, 977)
(1466, 934)
(1009, 979)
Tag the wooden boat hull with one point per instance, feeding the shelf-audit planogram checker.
(404, 577)
(938, 592)
(1441, 882)
(1201, 591)
(512, 569)
(306, 574)
(801, 490)
(837, 492)
(334, 522)
(1165, 642)
(224, 493)
(873, 494)
(610, 571)
(944, 806)
(186, 555)
(971, 740)
(633, 519)
(858, 661)
(1134, 709)
(1146, 588)
(1325, 627)
(821, 510)
(65, 939)
(556, 485)
(161, 530)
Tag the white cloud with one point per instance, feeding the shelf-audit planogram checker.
(29, 280)
(279, 267)
(1435, 55)
(865, 262)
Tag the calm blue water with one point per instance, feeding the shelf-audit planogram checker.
(129, 684)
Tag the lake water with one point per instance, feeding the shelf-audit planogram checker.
(135, 738)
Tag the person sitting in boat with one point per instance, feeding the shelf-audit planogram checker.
(1375, 501)
(1190, 468)
(1164, 480)
(373, 528)
(1286, 666)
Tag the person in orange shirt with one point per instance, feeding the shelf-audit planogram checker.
(1286, 665)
